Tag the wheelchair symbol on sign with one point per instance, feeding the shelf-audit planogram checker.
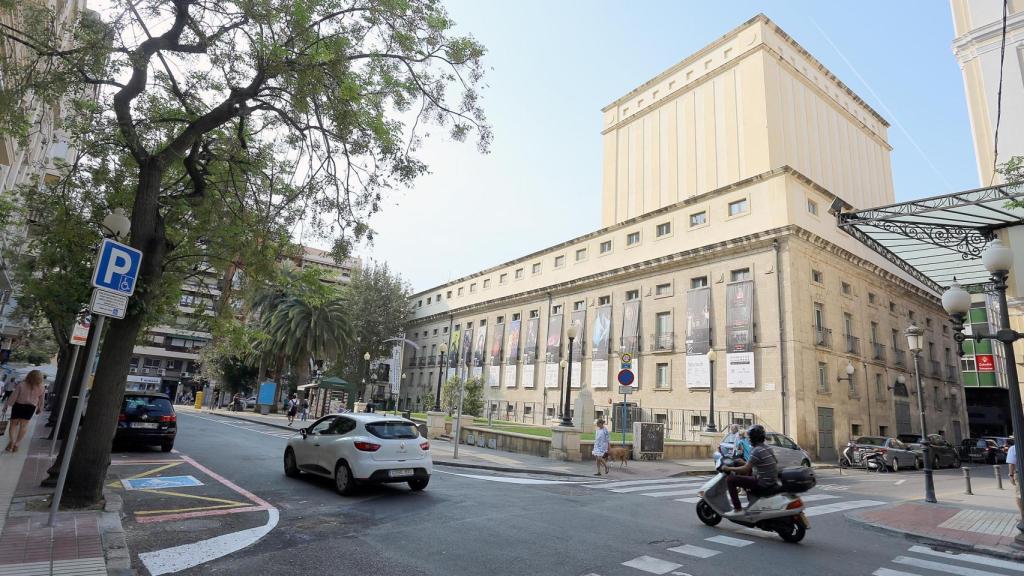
(126, 283)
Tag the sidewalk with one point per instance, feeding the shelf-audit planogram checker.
(75, 545)
(486, 459)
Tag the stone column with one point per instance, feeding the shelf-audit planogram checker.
(565, 444)
(435, 424)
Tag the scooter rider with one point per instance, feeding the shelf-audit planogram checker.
(760, 471)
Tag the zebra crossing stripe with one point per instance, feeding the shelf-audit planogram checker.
(686, 492)
(840, 506)
(817, 497)
(888, 572)
(690, 500)
(729, 541)
(695, 551)
(652, 565)
(942, 567)
(666, 485)
(975, 558)
(625, 483)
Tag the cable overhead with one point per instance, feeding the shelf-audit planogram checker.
(999, 96)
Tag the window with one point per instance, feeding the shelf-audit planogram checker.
(559, 261)
(516, 316)
(738, 207)
(556, 309)
(663, 331)
(883, 431)
(812, 207)
(483, 322)
(698, 219)
(487, 283)
(520, 273)
(853, 385)
(741, 274)
(663, 289)
(847, 290)
(579, 305)
(872, 298)
(472, 288)
(879, 388)
(151, 363)
(438, 298)
(855, 430)
(134, 362)
(503, 278)
(429, 300)
(581, 254)
(663, 229)
(823, 385)
(928, 322)
(419, 304)
(817, 277)
(699, 282)
(819, 316)
(449, 294)
(632, 295)
(606, 247)
(535, 268)
(632, 239)
(461, 290)
(534, 313)
(892, 307)
(174, 364)
(444, 330)
(910, 314)
(661, 376)
(604, 300)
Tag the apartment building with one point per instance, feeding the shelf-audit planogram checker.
(720, 178)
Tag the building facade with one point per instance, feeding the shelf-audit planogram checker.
(719, 177)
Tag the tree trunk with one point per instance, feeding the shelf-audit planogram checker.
(91, 456)
(63, 365)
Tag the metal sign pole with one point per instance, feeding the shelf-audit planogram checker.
(458, 419)
(90, 361)
(624, 396)
(64, 399)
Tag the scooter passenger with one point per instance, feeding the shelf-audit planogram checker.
(760, 471)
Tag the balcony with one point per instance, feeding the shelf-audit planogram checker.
(663, 342)
(899, 357)
(432, 360)
(822, 337)
(412, 361)
(878, 351)
(852, 344)
(423, 361)
(936, 368)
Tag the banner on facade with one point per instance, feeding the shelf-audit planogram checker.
(477, 372)
(497, 344)
(510, 375)
(480, 348)
(530, 351)
(395, 376)
(551, 375)
(601, 339)
(698, 371)
(512, 356)
(986, 362)
(494, 376)
(631, 326)
(552, 352)
(578, 319)
(698, 337)
(739, 342)
(453, 348)
(577, 374)
(599, 373)
(467, 347)
(529, 375)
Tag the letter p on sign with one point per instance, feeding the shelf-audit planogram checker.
(117, 267)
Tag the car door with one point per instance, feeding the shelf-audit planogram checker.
(902, 455)
(784, 454)
(333, 445)
(307, 448)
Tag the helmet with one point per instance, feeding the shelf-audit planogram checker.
(756, 434)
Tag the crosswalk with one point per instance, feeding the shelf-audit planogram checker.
(255, 427)
(924, 561)
(674, 557)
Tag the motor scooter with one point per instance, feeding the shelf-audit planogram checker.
(773, 510)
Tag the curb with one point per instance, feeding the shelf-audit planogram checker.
(929, 540)
(494, 468)
(113, 537)
(243, 418)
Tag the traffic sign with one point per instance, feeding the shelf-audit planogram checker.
(107, 303)
(626, 366)
(626, 389)
(117, 267)
(626, 377)
(627, 358)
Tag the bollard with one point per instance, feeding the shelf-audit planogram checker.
(999, 476)
(967, 480)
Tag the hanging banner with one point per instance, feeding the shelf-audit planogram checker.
(512, 349)
(698, 337)
(601, 339)
(553, 351)
(510, 375)
(465, 355)
(497, 345)
(631, 326)
(530, 351)
(739, 318)
(494, 376)
(577, 375)
(480, 347)
(395, 373)
(578, 319)
(453, 348)
(529, 376)
(599, 373)
(551, 375)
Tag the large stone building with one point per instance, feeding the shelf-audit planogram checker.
(720, 176)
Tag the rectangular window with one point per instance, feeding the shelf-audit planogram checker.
(559, 261)
(663, 289)
(444, 330)
(817, 276)
(879, 388)
(892, 307)
(661, 376)
(534, 313)
(174, 364)
(663, 229)
(579, 305)
(606, 246)
(927, 321)
(487, 283)
(632, 239)
(419, 304)
(152, 363)
(516, 316)
(872, 298)
(556, 309)
(429, 300)
(604, 300)
(883, 431)
(738, 207)
(438, 298)
(519, 273)
(461, 290)
(435, 331)
(847, 290)
(819, 316)
(663, 330)
(134, 362)
(699, 282)
(536, 268)
(741, 274)
(812, 207)
(503, 278)
(853, 384)
(632, 295)
(483, 322)
(499, 320)
(823, 384)
(855, 430)
(472, 288)
(581, 254)
(449, 294)
(698, 218)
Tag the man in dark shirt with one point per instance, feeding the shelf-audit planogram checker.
(761, 471)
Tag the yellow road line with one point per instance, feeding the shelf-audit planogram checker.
(117, 483)
(195, 496)
(173, 511)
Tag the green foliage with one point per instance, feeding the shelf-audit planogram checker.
(472, 400)
(36, 344)
(1013, 174)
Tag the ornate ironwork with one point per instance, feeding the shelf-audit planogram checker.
(890, 256)
(969, 242)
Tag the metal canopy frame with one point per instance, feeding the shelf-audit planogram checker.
(938, 238)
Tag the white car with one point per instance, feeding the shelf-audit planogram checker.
(361, 448)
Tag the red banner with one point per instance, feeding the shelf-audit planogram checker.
(986, 363)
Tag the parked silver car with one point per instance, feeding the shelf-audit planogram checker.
(787, 452)
(896, 454)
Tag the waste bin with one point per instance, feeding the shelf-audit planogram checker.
(406, 414)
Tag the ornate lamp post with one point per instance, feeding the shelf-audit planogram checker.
(440, 370)
(566, 410)
(915, 340)
(998, 259)
(711, 384)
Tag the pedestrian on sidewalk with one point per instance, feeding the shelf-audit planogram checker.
(1011, 462)
(293, 407)
(602, 442)
(26, 401)
(304, 407)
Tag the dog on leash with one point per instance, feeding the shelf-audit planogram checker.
(619, 454)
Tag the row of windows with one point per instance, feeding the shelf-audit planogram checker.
(881, 388)
(847, 290)
(169, 364)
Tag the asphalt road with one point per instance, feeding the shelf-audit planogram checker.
(474, 523)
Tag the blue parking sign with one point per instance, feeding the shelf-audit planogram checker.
(117, 267)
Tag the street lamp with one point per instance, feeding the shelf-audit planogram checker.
(366, 373)
(711, 387)
(440, 370)
(117, 224)
(997, 259)
(566, 413)
(915, 341)
(849, 373)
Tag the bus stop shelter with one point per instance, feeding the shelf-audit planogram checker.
(329, 396)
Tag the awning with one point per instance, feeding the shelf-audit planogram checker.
(307, 386)
(937, 238)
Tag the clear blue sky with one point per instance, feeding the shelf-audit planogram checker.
(553, 66)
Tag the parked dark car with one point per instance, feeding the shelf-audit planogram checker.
(943, 453)
(893, 452)
(980, 450)
(147, 419)
(1001, 444)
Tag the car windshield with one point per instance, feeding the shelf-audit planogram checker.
(393, 430)
(871, 441)
(150, 405)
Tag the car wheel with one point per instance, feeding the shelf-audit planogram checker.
(895, 464)
(956, 461)
(918, 463)
(806, 463)
(344, 483)
(291, 468)
(419, 483)
(167, 447)
(935, 463)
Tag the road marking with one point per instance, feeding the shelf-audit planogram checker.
(690, 500)
(975, 558)
(816, 497)
(200, 514)
(677, 484)
(623, 484)
(695, 551)
(729, 541)
(160, 482)
(186, 556)
(195, 497)
(840, 506)
(117, 483)
(671, 493)
(942, 567)
(888, 572)
(181, 510)
(649, 564)
(233, 425)
(898, 482)
(507, 479)
(836, 487)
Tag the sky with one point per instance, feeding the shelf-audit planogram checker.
(552, 65)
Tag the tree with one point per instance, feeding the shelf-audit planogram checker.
(472, 396)
(338, 88)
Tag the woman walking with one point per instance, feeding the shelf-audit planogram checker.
(26, 400)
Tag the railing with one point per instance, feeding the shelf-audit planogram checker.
(423, 361)
(663, 341)
(680, 424)
(878, 351)
(952, 373)
(431, 360)
(852, 344)
(822, 337)
(936, 368)
(412, 361)
(899, 357)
